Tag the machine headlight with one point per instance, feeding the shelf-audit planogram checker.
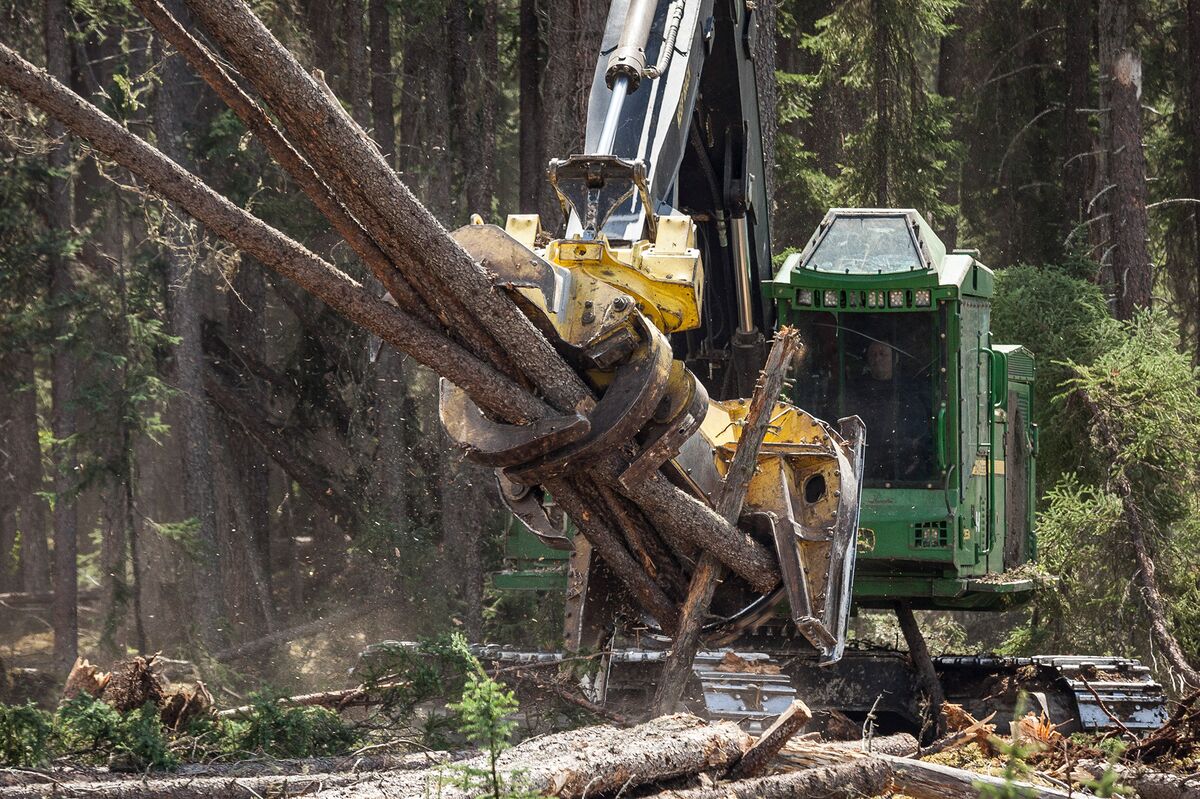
(896, 298)
(921, 298)
(830, 300)
(804, 297)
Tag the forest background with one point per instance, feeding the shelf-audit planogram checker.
(219, 467)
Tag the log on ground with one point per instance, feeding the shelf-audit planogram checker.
(1149, 784)
(860, 777)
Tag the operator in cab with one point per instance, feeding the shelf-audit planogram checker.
(896, 405)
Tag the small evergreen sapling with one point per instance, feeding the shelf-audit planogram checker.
(485, 719)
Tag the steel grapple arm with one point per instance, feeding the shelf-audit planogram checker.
(654, 421)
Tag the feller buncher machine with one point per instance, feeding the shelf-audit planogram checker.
(897, 470)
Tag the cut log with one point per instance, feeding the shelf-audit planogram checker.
(360, 176)
(759, 756)
(593, 761)
(1148, 784)
(922, 780)
(677, 670)
(193, 787)
(201, 60)
(862, 777)
(362, 696)
(277, 772)
(811, 754)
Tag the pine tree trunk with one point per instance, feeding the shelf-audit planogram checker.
(383, 107)
(65, 612)
(357, 62)
(951, 81)
(481, 185)
(463, 504)
(246, 305)
(1121, 67)
(575, 29)
(882, 107)
(464, 135)
(764, 72)
(1193, 127)
(394, 454)
(24, 476)
(1077, 138)
(530, 62)
(170, 108)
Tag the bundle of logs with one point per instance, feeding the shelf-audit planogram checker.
(444, 311)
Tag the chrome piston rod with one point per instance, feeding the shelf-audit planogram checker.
(626, 66)
(608, 135)
(741, 266)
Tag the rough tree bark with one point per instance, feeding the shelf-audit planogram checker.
(24, 478)
(764, 72)
(530, 61)
(356, 172)
(256, 120)
(918, 653)
(1077, 138)
(374, 194)
(882, 107)
(1193, 127)
(383, 106)
(482, 190)
(360, 176)
(65, 613)
(246, 312)
(857, 778)
(464, 507)
(184, 298)
(951, 82)
(1121, 67)
(357, 62)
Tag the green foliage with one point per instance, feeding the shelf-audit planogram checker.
(1016, 769)
(274, 730)
(86, 729)
(25, 734)
(485, 712)
(1147, 392)
(903, 152)
(1107, 785)
(1059, 317)
(94, 731)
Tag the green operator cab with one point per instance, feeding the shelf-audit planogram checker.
(898, 332)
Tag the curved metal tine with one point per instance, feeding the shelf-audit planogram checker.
(495, 444)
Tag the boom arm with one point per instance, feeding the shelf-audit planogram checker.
(675, 92)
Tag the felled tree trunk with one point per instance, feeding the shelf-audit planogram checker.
(1148, 784)
(857, 778)
(593, 761)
